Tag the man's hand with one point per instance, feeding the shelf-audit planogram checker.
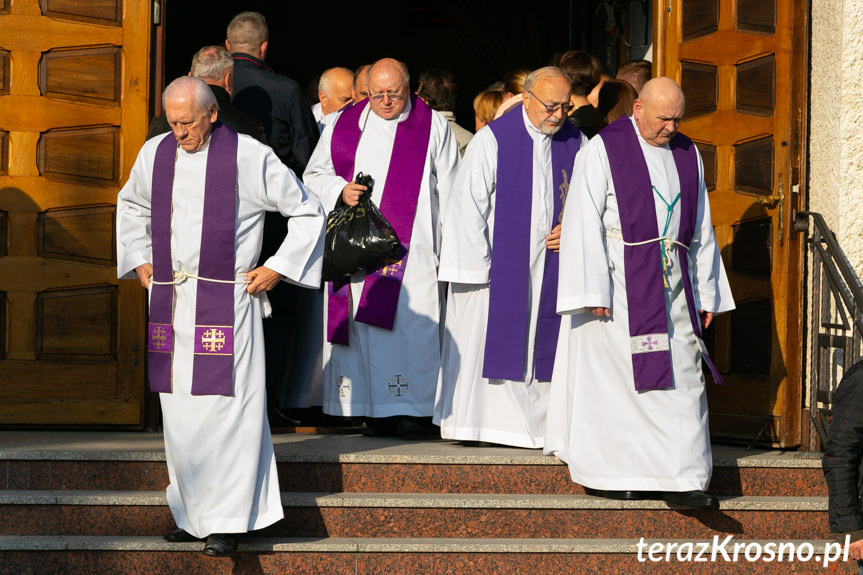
(599, 311)
(351, 193)
(145, 272)
(262, 279)
(706, 318)
(552, 240)
(855, 549)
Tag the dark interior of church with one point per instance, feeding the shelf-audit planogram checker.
(478, 41)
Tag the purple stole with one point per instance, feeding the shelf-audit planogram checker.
(509, 277)
(398, 204)
(648, 323)
(213, 367)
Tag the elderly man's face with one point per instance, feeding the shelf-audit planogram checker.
(551, 92)
(339, 95)
(387, 92)
(659, 117)
(191, 125)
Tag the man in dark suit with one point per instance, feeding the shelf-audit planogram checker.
(278, 103)
(214, 65)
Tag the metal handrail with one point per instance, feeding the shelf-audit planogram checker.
(835, 318)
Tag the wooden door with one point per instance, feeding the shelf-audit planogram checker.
(73, 112)
(741, 64)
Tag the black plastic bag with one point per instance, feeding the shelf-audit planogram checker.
(358, 237)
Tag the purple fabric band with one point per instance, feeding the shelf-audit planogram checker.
(509, 276)
(381, 288)
(686, 161)
(160, 330)
(212, 372)
(564, 146)
(652, 368)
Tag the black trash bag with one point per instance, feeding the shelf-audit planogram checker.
(358, 237)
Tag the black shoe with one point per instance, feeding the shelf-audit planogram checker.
(180, 536)
(379, 427)
(220, 545)
(278, 418)
(696, 499)
(416, 428)
(617, 495)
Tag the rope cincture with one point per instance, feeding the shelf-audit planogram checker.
(182, 275)
(668, 243)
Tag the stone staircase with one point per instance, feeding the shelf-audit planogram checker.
(91, 502)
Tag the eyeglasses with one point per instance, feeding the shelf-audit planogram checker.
(393, 96)
(567, 108)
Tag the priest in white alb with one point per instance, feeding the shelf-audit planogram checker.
(382, 348)
(189, 227)
(499, 254)
(640, 277)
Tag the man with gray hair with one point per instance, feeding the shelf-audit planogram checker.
(214, 65)
(190, 227)
(499, 254)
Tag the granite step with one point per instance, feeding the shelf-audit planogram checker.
(370, 556)
(406, 515)
(352, 463)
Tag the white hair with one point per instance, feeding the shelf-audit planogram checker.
(189, 86)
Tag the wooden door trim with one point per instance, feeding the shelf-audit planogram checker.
(788, 306)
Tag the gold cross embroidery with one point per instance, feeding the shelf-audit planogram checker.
(159, 337)
(392, 267)
(213, 339)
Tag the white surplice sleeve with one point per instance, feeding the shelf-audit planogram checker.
(584, 278)
(300, 256)
(444, 167)
(134, 244)
(467, 223)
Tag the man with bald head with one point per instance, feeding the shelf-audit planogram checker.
(190, 228)
(335, 91)
(640, 277)
(382, 348)
(499, 254)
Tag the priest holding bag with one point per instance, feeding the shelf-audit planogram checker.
(189, 226)
(382, 348)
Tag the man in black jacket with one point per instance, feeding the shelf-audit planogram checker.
(278, 103)
(214, 65)
(842, 459)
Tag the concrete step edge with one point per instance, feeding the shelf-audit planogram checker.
(784, 462)
(386, 545)
(416, 500)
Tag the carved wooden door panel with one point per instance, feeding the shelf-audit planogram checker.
(741, 66)
(74, 76)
